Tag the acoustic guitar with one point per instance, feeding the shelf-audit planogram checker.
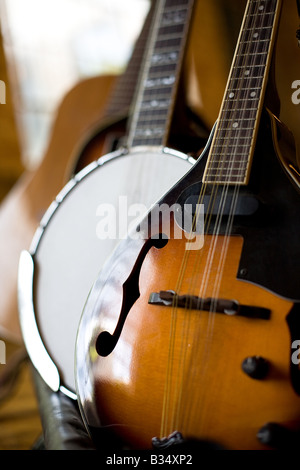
(77, 233)
(188, 331)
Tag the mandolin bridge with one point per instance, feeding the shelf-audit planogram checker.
(192, 302)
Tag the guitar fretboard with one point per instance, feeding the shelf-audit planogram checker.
(155, 100)
(233, 144)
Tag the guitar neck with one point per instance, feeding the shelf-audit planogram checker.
(159, 80)
(231, 152)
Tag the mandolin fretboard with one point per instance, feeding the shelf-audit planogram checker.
(234, 140)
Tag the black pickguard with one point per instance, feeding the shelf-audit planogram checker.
(268, 218)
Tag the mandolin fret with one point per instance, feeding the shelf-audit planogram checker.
(155, 100)
(239, 115)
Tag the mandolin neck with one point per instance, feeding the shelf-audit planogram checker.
(155, 97)
(232, 148)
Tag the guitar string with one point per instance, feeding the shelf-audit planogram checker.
(234, 200)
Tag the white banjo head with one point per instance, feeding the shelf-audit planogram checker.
(76, 235)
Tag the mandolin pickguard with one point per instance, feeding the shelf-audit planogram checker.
(270, 224)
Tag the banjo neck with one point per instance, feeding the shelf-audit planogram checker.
(155, 97)
(124, 90)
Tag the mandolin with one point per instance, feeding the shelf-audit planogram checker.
(187, 334)
(77, 233)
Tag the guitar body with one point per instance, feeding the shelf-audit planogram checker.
(147, 369)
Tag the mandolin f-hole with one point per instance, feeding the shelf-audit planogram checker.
(106, 342)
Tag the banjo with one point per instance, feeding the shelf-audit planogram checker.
(92, 212)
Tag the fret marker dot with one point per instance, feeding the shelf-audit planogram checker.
(252, 94)
(261, 7)
(255, 35)
(247, 72)
(235, 124)
(231, 95)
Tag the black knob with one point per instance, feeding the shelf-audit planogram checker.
(256, 367)
(278, 437)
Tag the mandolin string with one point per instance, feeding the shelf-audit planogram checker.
(198, 261)
(211, 254)
(228, 231)
(183, 335)
(232, 211)
(225, 242)
(170, 361)
(233, 206)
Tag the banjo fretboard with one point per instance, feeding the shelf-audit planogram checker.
(156, 96)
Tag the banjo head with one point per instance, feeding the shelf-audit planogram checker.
(75, 237)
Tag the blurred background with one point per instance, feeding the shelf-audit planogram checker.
(48, 46)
